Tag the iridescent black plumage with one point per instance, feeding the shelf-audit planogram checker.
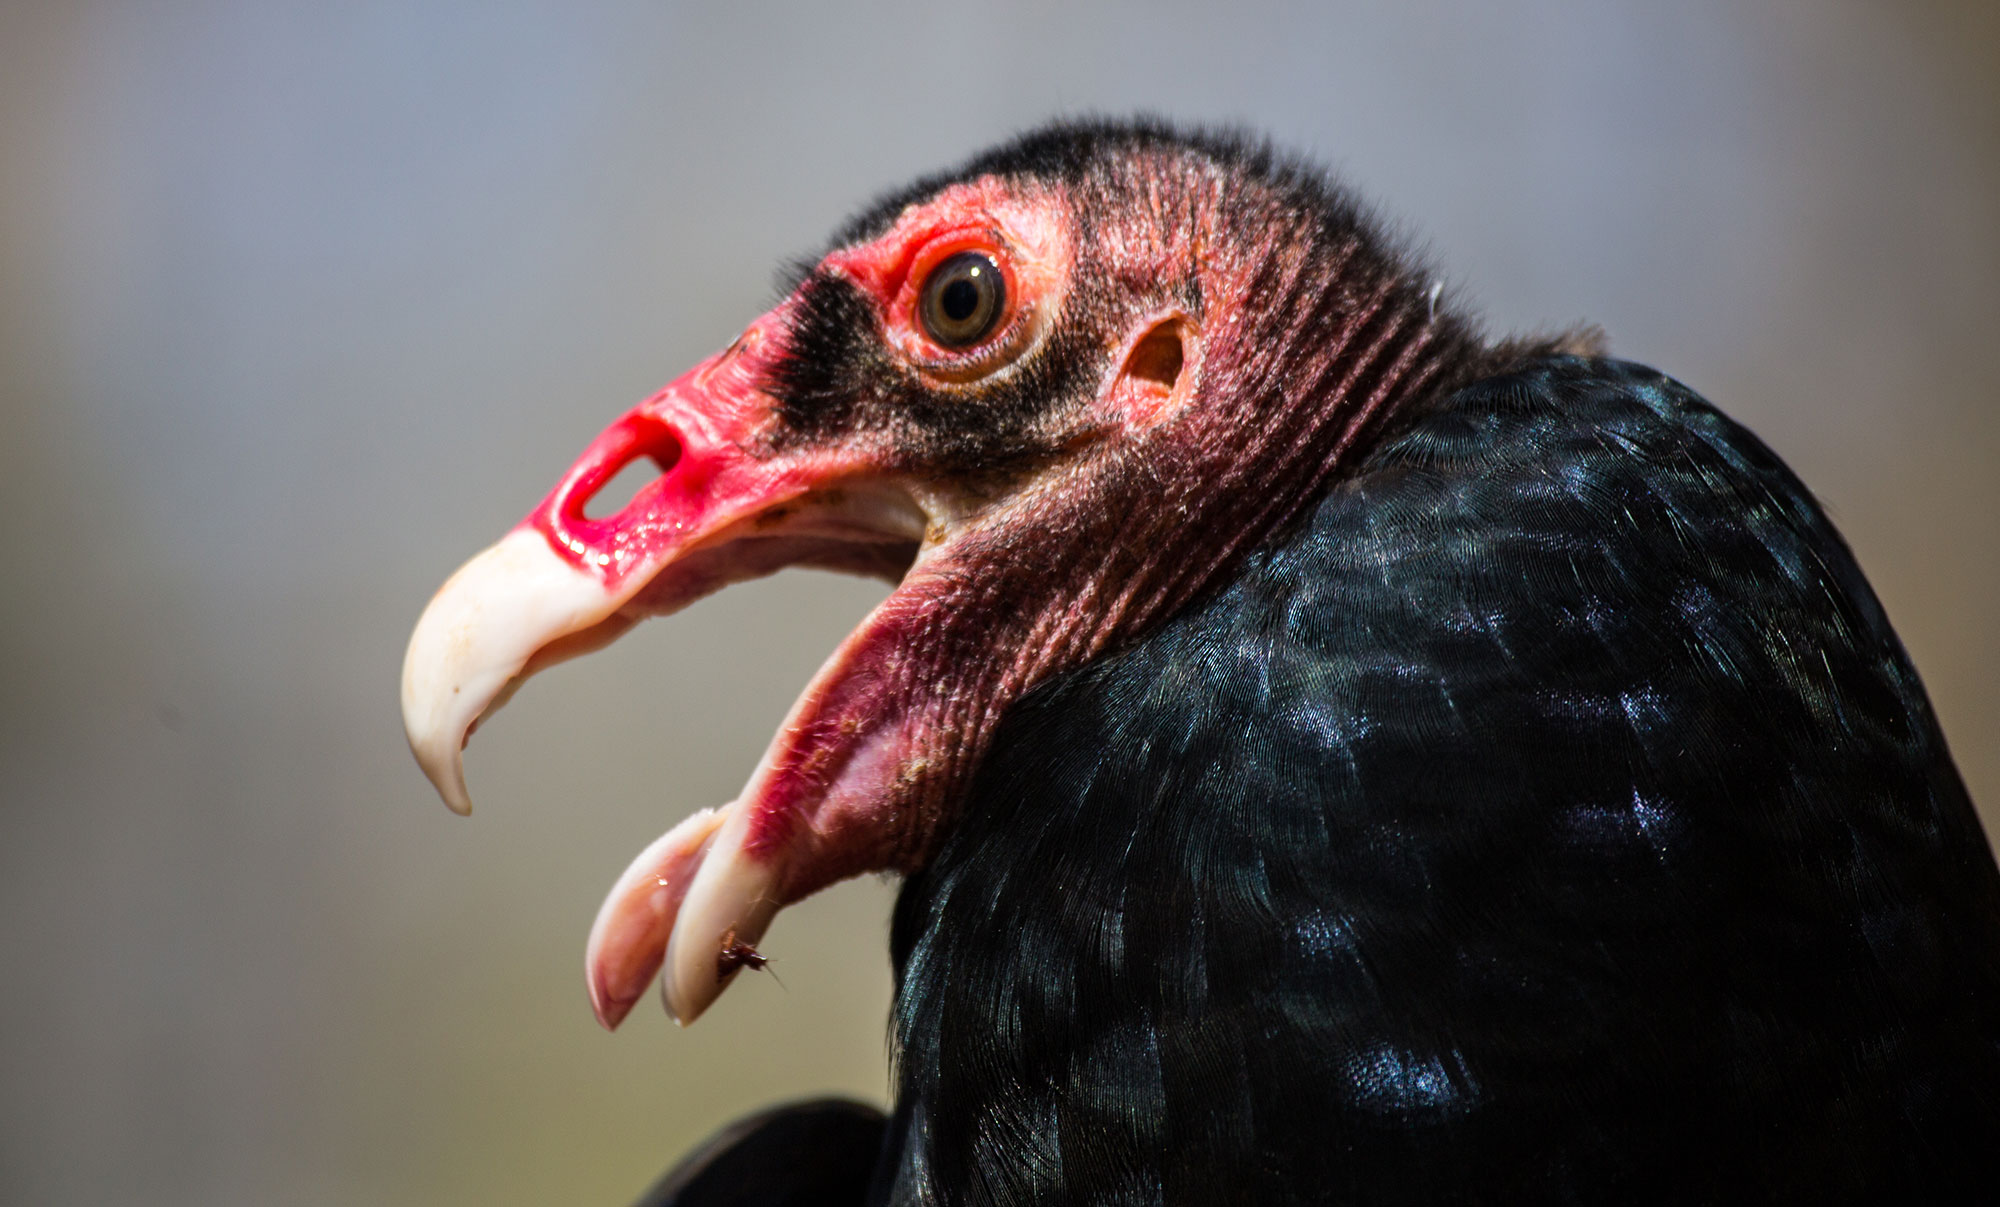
(1547, 814)
(804, 1154)
(1552, 817)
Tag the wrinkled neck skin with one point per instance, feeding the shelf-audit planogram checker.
(1194, 346)
(1140, 514)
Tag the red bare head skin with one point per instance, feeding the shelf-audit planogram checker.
(1188, 340)
(1198, 422)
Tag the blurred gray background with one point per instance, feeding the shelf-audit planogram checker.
(302, 303)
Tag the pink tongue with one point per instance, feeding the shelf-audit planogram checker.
(628, 942)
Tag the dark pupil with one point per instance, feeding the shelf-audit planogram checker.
(960, 299)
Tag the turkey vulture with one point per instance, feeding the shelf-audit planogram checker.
(1332, 756)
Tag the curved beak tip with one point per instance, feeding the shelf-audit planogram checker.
(436, 738)
(688, 998)
(449, 780)
(732, 900)
(474, 640)
(684, 1014)
(609, 1013)
(682, 1008)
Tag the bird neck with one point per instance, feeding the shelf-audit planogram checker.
(1104, 554)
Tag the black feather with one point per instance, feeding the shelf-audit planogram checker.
(837, 377)
(1071, 152)
(804, 1154)
(1553, 817)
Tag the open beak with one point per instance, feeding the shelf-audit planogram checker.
(563, 584)
(727, 506)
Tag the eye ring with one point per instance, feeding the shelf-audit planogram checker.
(963, 300)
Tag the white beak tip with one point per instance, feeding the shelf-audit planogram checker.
(444, 765)
(458, 801)
(682, 1009)
(475, 638)
(731, 901)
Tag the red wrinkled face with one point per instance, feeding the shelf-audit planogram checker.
(1048, 407)
(899, 414)
(710, 431)
(1025, 240)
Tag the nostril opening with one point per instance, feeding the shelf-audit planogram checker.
(616, 493)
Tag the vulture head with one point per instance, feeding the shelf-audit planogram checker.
(1050, 396)
(1331, 755)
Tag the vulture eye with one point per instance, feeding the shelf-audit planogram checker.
(963, 299)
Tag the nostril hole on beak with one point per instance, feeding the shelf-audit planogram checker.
(616, 492)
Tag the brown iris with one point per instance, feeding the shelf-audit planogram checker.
(963, 300)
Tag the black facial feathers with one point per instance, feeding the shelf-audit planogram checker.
(835, 358)
(1326, 264)
(838, 376)
(1066, 152)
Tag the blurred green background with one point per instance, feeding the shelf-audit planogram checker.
(302, 304)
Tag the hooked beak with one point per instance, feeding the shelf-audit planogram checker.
(472, 646)
(563, 584)
(726, 507)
